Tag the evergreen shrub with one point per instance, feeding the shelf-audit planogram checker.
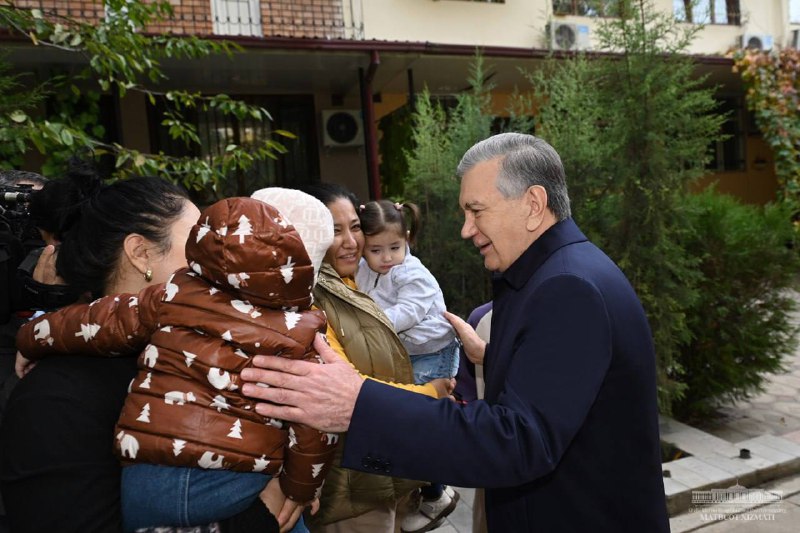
(741, 323)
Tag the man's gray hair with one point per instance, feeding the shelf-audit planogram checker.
(526, 161)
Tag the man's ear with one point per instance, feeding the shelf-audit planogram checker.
(137, 251)
(536, 199)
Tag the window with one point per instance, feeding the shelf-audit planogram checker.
(216, 131)
(707, 11)
(794, 11)
(728, 155)
(236, 17)
(588, 8)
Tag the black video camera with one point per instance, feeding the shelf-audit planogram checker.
(14, 211)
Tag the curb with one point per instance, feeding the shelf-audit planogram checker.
(694, 521)
(715, 463)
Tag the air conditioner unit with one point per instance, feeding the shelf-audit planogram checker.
(755, 41)
(794, 39)
(342, 128)
(569, 36)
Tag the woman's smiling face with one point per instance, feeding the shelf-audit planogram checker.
(348, 240)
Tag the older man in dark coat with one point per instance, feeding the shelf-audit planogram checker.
(567, 437)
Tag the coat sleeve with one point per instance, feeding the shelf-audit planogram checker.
(558, 361)
(416, 293)
(110, 326)
(309, 454)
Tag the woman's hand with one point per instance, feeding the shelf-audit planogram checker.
(285, 511)
(45, 270)
(474, 346)
(23, 365)
(291, 512)
(444, 386)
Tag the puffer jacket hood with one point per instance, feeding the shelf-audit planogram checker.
(271, 256)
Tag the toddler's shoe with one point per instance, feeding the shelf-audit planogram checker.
(431, 513)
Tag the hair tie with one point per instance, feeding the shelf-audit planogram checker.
(398, 206)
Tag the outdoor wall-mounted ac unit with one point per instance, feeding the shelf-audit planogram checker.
(569, 36)
(755, 41)
(342, 128)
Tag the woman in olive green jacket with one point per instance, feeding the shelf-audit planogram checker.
(360, 332)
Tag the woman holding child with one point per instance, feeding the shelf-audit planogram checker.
(131, 261)
(354, 502)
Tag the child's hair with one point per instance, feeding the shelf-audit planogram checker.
(377, 215)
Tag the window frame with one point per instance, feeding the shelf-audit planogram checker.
(586, 8)
(733, 12)
(794, 12)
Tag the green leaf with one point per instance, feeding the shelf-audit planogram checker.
(285, 133)
(66, 137)
(18, 116)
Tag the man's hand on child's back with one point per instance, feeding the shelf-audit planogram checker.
(473, 346)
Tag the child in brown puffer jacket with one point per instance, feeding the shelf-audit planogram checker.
(198, 450)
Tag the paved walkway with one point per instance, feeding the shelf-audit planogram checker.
(775, 412)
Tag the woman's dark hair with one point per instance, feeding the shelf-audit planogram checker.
(327, 193)
(96, 218)
(380, 215)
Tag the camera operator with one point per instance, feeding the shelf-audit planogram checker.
(28, 279)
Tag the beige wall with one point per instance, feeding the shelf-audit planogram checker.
(756, 184)
(522, 23)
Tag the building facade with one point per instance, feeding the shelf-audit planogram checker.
(329, 70)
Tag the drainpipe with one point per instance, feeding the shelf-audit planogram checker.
(370, 130)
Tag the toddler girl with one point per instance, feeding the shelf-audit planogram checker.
(411, 298)
(406, 290)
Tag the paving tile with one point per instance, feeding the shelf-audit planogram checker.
(780, 444)
(778, 388)
(685, 476)
(672, 487)
(791, 408)
(698, 465)
(693, 440)
(750, 427)
(791, 379)
(737, 467)
(763, 398)
(794, 436)
(460, 520)
(467, 496)
(729, 434)
(758, 448)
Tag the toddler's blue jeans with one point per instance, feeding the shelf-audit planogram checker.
(159, 495)
(440, 364)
